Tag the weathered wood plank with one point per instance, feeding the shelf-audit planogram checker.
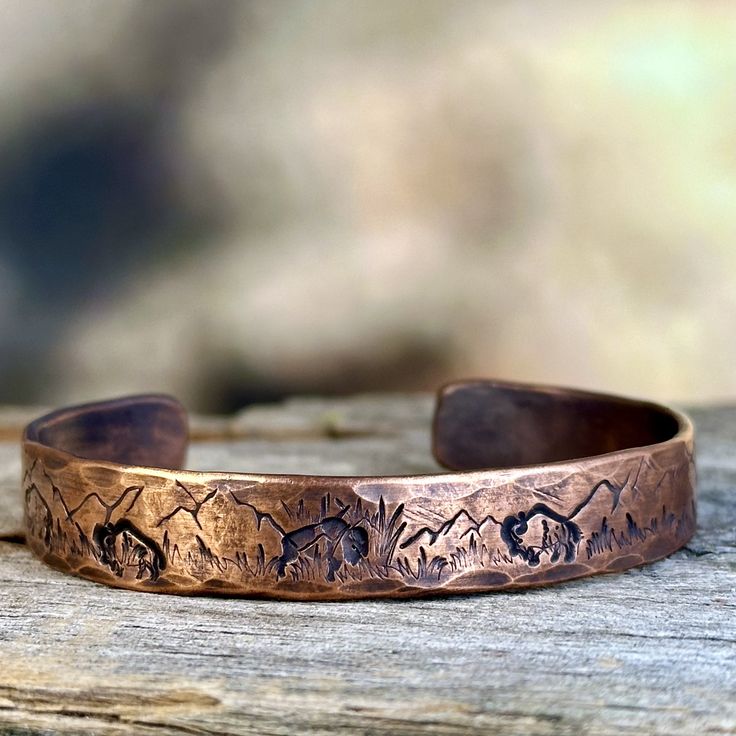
(651, 651)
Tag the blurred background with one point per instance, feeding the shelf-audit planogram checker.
(238, 201)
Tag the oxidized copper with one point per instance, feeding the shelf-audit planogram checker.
(547, 484)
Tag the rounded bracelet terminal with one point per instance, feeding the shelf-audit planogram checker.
(545, 484)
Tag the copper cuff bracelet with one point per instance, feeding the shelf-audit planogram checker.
(547, 484)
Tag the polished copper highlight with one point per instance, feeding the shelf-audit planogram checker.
(546, 484)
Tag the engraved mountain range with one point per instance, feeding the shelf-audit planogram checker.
(457, 527)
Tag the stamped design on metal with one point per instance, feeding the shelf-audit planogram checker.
(337, 542)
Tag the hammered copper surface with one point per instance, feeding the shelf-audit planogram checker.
(549, 484)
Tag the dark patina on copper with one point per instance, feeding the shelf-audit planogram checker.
(546, 484)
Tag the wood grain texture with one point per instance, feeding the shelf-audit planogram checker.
(651, 651)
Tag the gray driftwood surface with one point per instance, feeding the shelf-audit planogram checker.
(649, 651)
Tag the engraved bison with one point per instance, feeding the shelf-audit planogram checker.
(343, 542)
(541, 531)
(121, 546)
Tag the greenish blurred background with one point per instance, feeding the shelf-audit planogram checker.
(236, 201)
